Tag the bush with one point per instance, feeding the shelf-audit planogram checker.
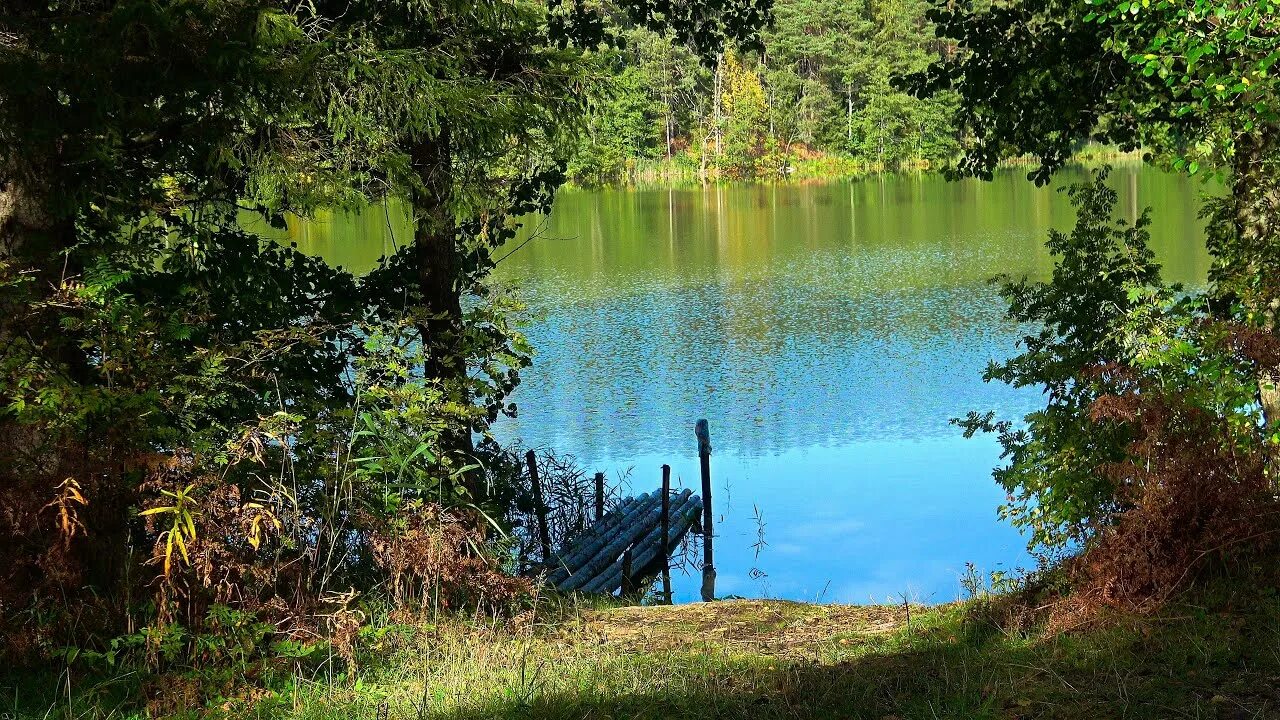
(1149, 457)
(239, 431)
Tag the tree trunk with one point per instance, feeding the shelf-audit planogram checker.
(30, 236)
(436, 256)
(34, 241)
(848, 125)
(719, 84)
(437, 259)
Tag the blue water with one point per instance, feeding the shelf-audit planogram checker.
(828, 333)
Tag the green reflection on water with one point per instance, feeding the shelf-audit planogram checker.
(603, 236)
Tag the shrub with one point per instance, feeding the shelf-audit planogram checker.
(241, 427)
(1149, 456)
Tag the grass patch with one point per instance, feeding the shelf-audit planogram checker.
(770, 659)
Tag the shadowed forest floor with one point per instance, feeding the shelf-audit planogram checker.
(773, 659)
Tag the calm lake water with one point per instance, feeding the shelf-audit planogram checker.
(827, 332)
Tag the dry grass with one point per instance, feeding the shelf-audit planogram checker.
(768, 628)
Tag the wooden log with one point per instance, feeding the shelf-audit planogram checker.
(647, 548)
(703, 431)
(610, 549)
(652, 558)
(648, 553)
(633, 528)
(599, 496)
(646, 556)
(582, 550)
(628, 580)
(585, 555)
(666, 534)
(539, 507)
(684, 509)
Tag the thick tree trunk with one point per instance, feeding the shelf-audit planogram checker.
(34, 243)
(30, 237)
(437, 257)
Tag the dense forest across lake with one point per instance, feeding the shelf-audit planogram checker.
(818, 94)
(818, 98)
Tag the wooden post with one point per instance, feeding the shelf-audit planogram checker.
(628, 582)
(703, 431)
(539, 507)
(666, 534)
(599, 496)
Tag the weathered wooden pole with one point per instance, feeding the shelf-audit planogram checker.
(703, 431)
(539, 507)
(628, 582)
(666, 534)
(599, 496)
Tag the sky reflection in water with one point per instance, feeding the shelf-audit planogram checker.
(828, 333)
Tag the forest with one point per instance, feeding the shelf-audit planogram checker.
(238, 480)
(816, 98)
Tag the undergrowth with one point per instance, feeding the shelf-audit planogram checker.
(1213, 652)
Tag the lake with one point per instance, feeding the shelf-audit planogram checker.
(827, 332)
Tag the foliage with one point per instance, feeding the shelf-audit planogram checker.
(205, 433)
(744, 109)
(620, 130)
(1192, 81)
(1149, 454)
(1194, 389)
(1188, 78)
(435, 559)
(1055, 490)
(819, 85)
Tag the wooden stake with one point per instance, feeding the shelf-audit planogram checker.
(628, 582)
(599, 496)
(539, 507)
(703, 431)
(666, 534)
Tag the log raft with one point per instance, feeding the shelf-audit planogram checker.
(593, 562)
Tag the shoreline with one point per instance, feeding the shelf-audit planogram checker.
(676, 174)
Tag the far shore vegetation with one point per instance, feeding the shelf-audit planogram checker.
(806, 165)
